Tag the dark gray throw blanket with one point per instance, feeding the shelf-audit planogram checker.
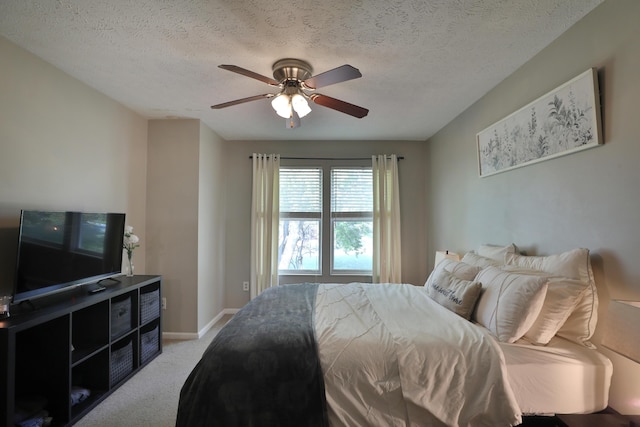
(262, 369)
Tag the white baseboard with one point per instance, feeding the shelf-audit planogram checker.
(199, 334)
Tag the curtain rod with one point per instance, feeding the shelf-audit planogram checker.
(328, 158)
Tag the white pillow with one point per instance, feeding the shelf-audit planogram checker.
(457, 295)
(495, 252)
(459, 269)
(473, 258)
(562, 296)
(581, 324)
(575, 264)
(509, 303)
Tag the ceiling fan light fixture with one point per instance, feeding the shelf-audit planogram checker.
(300, 105)
(282, 105)
(295, 79)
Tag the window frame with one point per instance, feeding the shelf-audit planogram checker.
(325, 274)
(305, 216)
(355, 216)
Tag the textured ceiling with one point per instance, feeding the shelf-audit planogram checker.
(423, 61)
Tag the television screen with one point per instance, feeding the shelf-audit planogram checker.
(60, 249)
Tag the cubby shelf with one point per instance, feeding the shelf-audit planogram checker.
(74, 342)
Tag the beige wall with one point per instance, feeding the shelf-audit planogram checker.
(172, 217)
(185, 222)
(588, 199)
(211, 227)
(411, 176)
(64, 146)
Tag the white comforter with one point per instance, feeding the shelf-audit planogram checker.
(391, 356)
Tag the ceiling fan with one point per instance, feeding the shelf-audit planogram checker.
(297, 86)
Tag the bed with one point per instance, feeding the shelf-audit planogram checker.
(482, 343)
(578, 377)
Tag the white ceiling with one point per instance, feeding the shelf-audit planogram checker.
(423, 61)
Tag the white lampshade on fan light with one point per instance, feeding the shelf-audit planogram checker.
(284, 103)
(300, 105)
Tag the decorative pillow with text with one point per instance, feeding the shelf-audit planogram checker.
(459, 269)
(455, 294)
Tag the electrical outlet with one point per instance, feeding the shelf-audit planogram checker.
(164, 303)
(245, 286)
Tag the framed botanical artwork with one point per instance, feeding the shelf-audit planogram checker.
(563, 121)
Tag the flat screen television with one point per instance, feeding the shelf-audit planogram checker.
(57, 250)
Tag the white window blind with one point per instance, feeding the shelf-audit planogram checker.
(351, 190)
(300, 190)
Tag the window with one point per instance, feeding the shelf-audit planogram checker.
(299, 233)
(342, 217)
(351, 220)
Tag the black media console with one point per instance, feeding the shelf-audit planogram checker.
(70, 351)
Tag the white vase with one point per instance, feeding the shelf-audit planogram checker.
(129, 267)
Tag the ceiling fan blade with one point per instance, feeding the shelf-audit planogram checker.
(248, 73)
(337, 75)
(242, 101)
(342, 106)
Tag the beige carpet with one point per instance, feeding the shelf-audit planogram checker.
(150, 398)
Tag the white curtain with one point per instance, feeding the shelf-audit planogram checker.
(265, 218)
(386, 220)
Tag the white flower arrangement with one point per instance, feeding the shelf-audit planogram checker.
(130, 241)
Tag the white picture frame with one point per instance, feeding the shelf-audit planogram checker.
(563, 121)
